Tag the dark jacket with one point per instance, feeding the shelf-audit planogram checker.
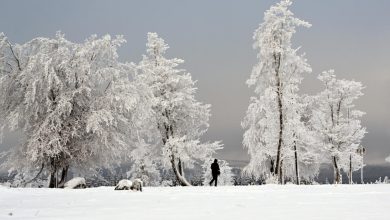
(215, 169)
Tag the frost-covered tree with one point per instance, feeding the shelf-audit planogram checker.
(273, 121)
(179, 118)
(75, 104)
(337, 123)
(145, 166)
(354, 162)
(307, 162)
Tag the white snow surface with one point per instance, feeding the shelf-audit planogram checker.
(228, 202)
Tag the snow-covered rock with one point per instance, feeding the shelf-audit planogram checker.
(124, 185)
(135, 185)
(76, 183)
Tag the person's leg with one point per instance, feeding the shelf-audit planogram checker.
(211, 182)
(216, 180)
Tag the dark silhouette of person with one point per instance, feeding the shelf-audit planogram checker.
(215, 172)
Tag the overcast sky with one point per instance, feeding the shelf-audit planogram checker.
(214, 37)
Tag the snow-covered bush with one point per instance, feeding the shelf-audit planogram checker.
(384, 181)
(271, 179)
(240, 178)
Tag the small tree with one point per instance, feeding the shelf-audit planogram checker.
(145, 158)
(361, 151)
(337, 122)
(179, 119)
(74, 103)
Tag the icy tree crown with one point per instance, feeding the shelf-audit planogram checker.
(74, 103)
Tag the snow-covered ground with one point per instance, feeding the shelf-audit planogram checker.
(238, 203)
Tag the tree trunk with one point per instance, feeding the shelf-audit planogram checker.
(53, 172)
(64, 175)
(52, 179)
(296, 164)
(176, 171)
(272, 168)
(180, 167)
(350, 170)
(336, 171)
(281, 173)
(361, 172)
(278, 168)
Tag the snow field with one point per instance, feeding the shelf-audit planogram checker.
(240, 202)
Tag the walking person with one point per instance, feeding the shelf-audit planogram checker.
(215, 172)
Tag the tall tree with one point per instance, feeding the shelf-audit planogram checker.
(178, 117)
(74, 104)
(273, 120)
(338, 123)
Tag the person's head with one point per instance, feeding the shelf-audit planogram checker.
(215, 161)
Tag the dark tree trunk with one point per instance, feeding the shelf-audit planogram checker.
(296, 164)
(278, 168)
(336, 170)
(272, 168)
(361, 170)
(180, 167)
(350, 170)
(52, 179)
(281, 174)
(53, 173)
(64, 175)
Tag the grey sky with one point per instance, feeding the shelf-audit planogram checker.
(215, 39)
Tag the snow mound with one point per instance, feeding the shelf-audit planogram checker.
(5, 185)
(76, 183)
(135, 185)
(124, 185)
